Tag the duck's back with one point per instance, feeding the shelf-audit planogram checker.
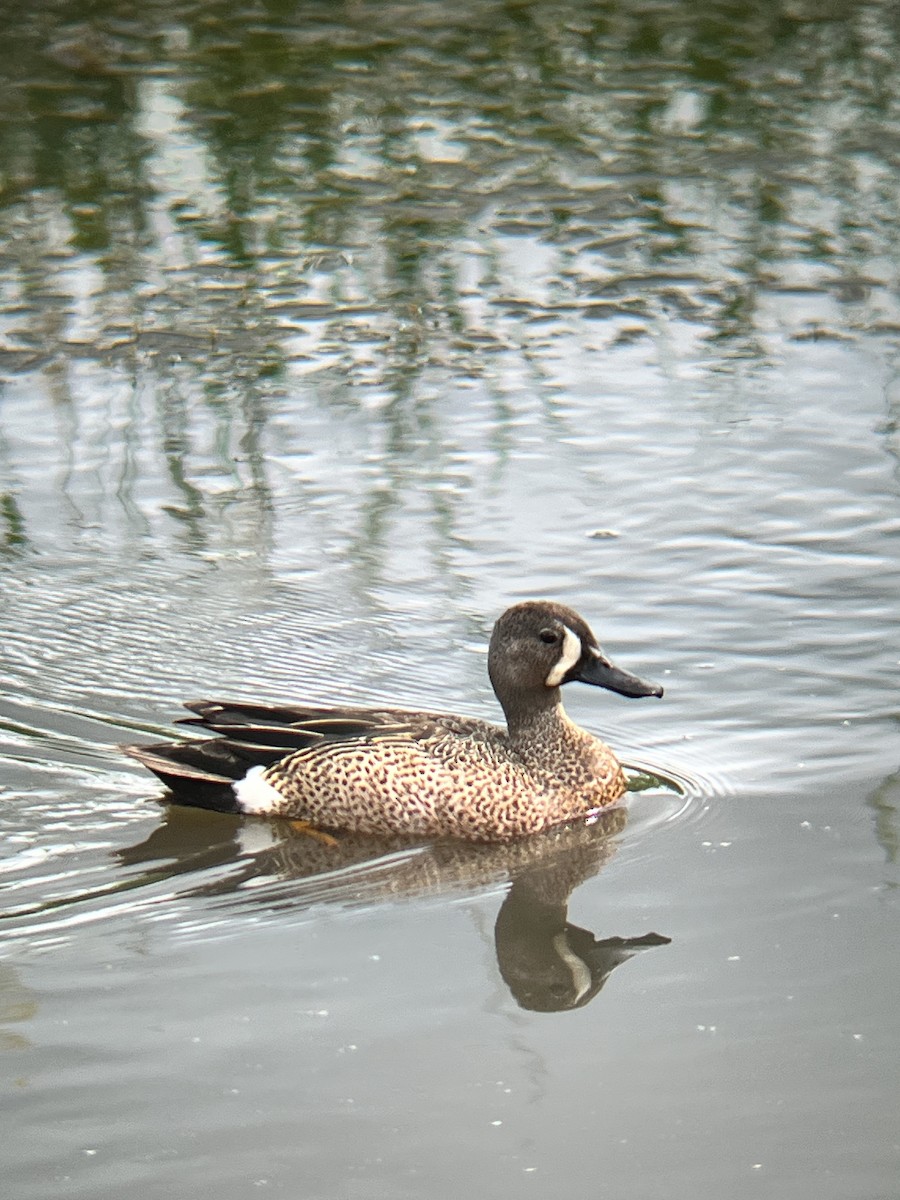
(461, 778)
(384, 771)
(379, 771)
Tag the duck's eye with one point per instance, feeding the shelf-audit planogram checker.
(549, 636)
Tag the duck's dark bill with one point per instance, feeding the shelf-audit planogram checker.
(601, 673)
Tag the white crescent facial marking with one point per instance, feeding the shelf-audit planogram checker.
(255, 795)
(578, 968)
(571, 652)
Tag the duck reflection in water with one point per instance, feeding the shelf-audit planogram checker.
(547, 963)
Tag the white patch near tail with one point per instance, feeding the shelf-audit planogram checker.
(571, 652)
(255, 795)
(256, 837)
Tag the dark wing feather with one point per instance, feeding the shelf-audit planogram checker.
(233, 712)
(284, 738)
(294, 729)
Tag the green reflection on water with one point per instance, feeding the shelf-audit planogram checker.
(342, 151)
(208, 202)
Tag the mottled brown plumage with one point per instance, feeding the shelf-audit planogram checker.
(419, 773)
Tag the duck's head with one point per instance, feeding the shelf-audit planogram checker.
(539, 645)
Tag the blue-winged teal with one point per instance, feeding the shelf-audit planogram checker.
(387, 771)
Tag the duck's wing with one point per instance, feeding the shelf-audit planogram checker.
(202, 771)
(297, 727)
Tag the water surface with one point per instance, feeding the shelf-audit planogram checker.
(326, 332)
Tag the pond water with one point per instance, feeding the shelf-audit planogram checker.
(327, 331)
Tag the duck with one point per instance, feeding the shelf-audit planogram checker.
(418, 774)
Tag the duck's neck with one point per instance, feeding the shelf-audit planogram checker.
(529, 715)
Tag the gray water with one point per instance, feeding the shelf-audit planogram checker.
(326, 332)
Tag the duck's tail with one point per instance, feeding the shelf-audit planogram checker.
(225, 772)
(204, 773)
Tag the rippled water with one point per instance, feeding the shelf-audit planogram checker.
(326, 332)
